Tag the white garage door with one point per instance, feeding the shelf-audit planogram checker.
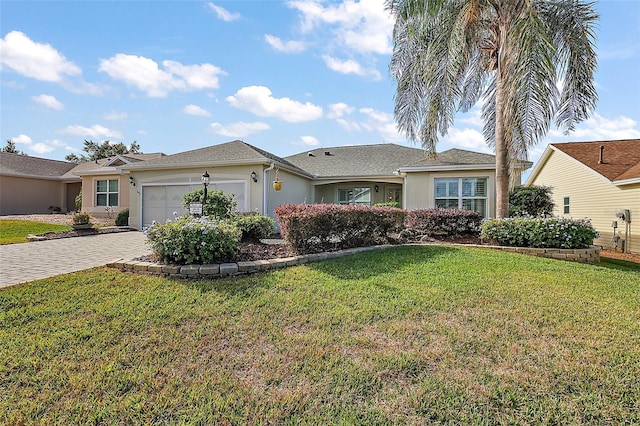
(160, 202)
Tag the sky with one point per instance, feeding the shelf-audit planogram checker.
(285, 76)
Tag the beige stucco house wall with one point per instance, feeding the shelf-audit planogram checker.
(89, 195)
(19, 195)
(590, 195)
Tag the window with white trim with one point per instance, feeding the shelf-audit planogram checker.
(107, 192)
(462, 193)
(566, 204)
(358, 196)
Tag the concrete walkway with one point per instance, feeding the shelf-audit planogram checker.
(42, 259)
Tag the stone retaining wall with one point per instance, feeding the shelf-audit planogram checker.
(230, 269)
(589, 255)
(217, 270)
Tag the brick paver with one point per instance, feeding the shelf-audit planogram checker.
(42, 259)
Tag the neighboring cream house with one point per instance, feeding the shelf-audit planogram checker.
(596, 180)
(32, 185)
(358, 174)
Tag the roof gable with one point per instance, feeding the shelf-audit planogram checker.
(621, 158)
(380, 160)
(233, 152)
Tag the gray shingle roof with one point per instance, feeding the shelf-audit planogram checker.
(226, 153)
(26, 166)
(100, 166)
(379, 160)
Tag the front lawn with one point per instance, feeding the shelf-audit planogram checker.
(16, 231)
(406, 335)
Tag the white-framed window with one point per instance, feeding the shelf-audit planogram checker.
(358, 196)
(462, 193)
(566, 204)
(107, 192)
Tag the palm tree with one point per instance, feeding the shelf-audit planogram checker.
(528, 61)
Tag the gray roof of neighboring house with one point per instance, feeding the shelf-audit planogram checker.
(34, 167)
(234, 152)
(380, 160)
(109, 165)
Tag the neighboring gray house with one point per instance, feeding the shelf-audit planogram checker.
(358, 174)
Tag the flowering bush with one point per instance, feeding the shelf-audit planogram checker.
(255, 226)
(444, 222)
(313, 228)
(540, 232)
(191, 240)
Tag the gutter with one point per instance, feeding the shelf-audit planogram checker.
(265, 191)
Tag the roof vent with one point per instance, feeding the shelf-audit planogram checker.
(601, 160)
(311, 154)
(327, 153)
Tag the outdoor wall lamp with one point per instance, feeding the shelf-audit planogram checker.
(254, 176)
(132, 181)
(376, 188)
(205, 182)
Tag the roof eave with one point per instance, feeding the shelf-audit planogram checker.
(629, 181)
(53, 178)
(447, 167)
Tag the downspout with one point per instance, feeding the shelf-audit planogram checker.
(265, 191)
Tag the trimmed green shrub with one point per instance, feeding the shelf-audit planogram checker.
(191, 240)
(531, 201)
(255, 226)
(123, 218)
(219, 205)
(441, 222)
(313, 228)
(540, 232)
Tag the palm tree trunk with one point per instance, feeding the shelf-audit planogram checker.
(502, 162)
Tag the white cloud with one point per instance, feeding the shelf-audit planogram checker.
(239, 129)
(41, 147)
(48, 101)
(349, 66)
(291, 46)
(307, 141)
(35, 60)
(598, 127)
(223, 13)
(195, 110)
(145, 74)
(116, 116)
(363, 26)
(339, 109)
(469, 139)
(259, 101)
(350, 126)
(94, 132)
(22, 139)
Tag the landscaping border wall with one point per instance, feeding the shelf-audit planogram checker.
(589, 255)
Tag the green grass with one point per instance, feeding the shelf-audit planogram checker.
(407, 335)
(16, 231)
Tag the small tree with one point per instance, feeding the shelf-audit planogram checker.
(96, 151)
(11, 148)
(532, 201)
(219, 205)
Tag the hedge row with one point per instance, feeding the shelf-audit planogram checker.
(441, 222)
(552, 232)
(314, 228)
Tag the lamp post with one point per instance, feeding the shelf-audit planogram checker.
(205, 182)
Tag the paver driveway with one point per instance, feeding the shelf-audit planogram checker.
(43, 259)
